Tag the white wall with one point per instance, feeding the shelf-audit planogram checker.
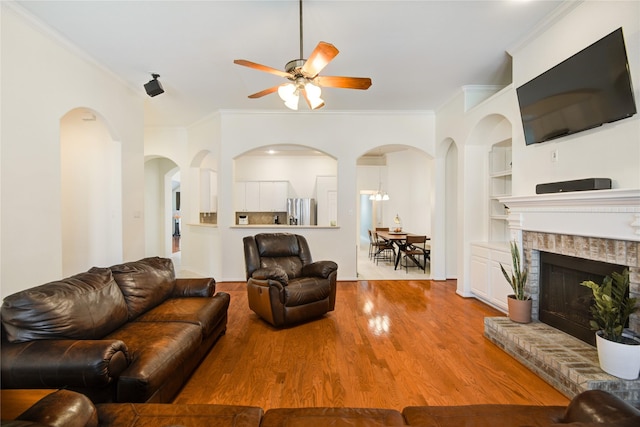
(41, 81)
(610, 151)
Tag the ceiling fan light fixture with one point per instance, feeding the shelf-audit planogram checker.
(292, 102)
(316, 103)
(312, 90)
(302, 72)
(286, 91)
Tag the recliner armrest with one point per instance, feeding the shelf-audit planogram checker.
(276, 274)
(194, 287)
(319, 269)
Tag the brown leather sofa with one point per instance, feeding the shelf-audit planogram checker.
(128, 333)
(284, 285)
(593, 408)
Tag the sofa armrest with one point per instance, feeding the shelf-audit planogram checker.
(597, 406)
(194, 287)
(277, 274)
(62, 363)
(62, 408)
(319, 269)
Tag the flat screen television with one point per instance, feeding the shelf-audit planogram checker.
(589, 89)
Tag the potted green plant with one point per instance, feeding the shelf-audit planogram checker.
(618, 349)
(519, 303)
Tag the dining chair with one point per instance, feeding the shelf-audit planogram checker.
(382, 249)
(382, 229)
(414, 248)
(373, 247)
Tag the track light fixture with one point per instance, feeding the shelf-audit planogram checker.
(154, 87)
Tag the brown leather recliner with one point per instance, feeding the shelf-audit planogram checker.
(284, 285)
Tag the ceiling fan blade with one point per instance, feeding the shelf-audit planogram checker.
(319, 58)
(362, 83)
(261, 67)
(264, 92)
(306, 98)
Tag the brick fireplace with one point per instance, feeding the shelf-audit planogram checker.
(595, 225)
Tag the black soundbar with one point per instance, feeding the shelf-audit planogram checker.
(575, 185)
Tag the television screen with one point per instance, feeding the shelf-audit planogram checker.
(589, 89)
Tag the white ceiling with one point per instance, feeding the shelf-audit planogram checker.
(417, 53)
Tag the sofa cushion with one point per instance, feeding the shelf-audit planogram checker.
(338, 417)
(483, 415)
(158, 352)
(145, 283)
(205, 312)
(154, 414)
(85, 306)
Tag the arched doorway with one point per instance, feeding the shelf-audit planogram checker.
(91, 192)
(406, 175)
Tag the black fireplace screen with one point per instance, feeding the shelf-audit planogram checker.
(564, 304)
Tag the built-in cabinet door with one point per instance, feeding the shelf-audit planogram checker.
(487, 281)
(479, 270)
(500, 288)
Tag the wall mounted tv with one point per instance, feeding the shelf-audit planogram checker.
(589, 89)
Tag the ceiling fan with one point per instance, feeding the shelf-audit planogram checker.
(304, 78)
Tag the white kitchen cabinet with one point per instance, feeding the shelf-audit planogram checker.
(273, 196)
(247, 196)
(487, 281)
(261, 196)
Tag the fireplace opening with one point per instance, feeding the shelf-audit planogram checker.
(564, 303)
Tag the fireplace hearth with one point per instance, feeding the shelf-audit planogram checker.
(564, 303)
(564, 361)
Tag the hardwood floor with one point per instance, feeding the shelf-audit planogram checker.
(389, 344)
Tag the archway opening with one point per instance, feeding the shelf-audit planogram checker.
(91, 192)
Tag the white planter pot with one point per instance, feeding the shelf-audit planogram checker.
(620, 360)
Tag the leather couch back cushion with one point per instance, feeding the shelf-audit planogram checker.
(277, 245)
(280, 250)
(85, 306)
(291, 265)
(145, 283)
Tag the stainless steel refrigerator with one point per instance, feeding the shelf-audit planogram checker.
(301, 212)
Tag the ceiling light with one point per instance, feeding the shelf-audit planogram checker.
(153, 87)
(286, 91)
(312, 90)
(292, 102)
(379, 195)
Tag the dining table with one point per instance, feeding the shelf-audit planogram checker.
(398, 238)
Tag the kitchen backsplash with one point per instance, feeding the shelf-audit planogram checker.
(254, 218)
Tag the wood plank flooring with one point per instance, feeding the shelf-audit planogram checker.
(389, 344)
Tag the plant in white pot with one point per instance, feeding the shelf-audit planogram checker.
(618, 349)
(519, 303)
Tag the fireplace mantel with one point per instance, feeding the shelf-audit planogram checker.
(612, 214)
